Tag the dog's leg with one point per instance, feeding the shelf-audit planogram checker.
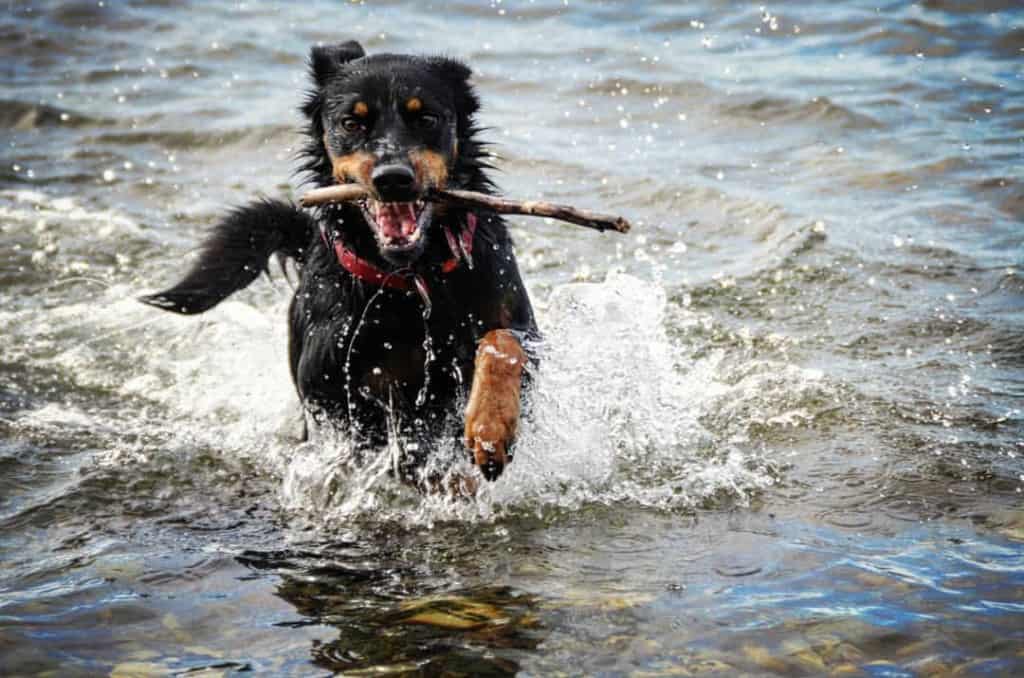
(492, 415)
(235, 253)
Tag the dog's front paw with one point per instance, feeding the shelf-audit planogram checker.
(492, 415)
(489, 439)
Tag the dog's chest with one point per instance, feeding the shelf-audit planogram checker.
(381, 350)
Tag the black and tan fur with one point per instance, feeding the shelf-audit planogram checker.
(398, 125)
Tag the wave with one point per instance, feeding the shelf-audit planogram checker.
(191, 138)
(818, 110)
(21, 115)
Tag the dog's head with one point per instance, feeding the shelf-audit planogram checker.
(398, 126)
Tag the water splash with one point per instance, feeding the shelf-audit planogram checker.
(620, 410)
(616, 413)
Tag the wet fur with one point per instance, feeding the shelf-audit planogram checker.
(356, 350)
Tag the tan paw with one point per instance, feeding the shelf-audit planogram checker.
(489, 442)
(492, 415)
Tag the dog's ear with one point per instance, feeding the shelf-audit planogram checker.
(451, 70)
(325, 60)
(457, 75)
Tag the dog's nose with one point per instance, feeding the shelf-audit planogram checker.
(394, 182)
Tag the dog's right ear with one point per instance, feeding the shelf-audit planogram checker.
(325, 60)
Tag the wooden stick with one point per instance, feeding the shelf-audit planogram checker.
(595, 220)
(337, 193)
(535, 208)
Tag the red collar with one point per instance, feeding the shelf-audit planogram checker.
(406, 279)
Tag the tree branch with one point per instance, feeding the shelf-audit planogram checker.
(536, 208)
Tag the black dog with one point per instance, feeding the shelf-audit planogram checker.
(405, 311)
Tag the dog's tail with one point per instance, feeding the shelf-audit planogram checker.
(235, 253)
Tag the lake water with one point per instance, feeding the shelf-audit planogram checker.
(777, 429)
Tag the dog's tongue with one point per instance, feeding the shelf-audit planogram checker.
(396, 220)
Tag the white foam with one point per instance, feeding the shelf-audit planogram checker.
(25, 206)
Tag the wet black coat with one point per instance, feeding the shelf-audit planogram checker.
(365, 358)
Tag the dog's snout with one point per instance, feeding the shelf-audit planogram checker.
(394, 182)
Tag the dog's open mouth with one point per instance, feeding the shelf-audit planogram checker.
(399, 226)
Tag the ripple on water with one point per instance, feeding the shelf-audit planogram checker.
(22, 116)
(848, 519)
(819, 110)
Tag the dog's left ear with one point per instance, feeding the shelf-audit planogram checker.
(457, 75)
(326, 60)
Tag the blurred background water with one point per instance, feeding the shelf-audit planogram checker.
(777, 428)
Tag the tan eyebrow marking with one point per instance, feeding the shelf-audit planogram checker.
(414, 104)
(361, 109)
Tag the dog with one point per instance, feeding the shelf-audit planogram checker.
(406, 313)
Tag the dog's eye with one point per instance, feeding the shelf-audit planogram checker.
(352, 125)
(428, 121)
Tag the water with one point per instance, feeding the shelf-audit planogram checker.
(777, 429)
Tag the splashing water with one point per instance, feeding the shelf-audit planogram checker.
(617, 411)
(614, 415)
